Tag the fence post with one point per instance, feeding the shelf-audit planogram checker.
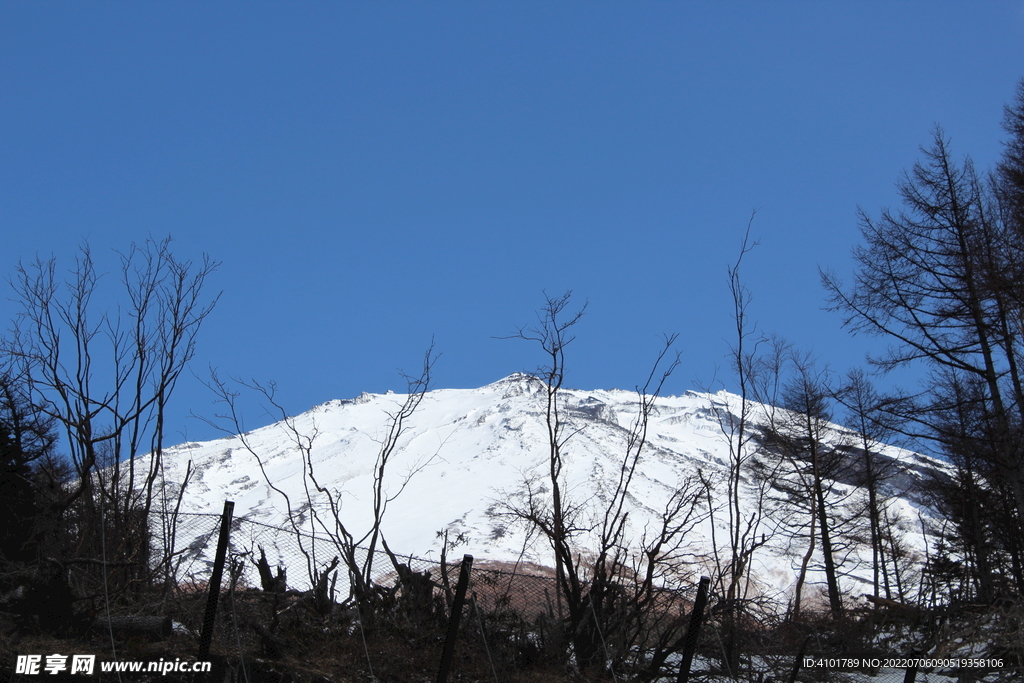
(690, 645)
(453, 621)
(218, 572)
(798, 661)
(911, 674)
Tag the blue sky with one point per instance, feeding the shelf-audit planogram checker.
(372, 175)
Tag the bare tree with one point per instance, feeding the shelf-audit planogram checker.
(319, 510)
(560, 522)
(756, 360)
(816, 460)
(610, 581)
(106, 376)
(872, 425)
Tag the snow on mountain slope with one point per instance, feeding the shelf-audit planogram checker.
(465, 451)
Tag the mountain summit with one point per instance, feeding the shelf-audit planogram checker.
(468, 456)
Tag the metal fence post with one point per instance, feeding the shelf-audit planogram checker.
(218, 571)
(690, 645)
(453, 622)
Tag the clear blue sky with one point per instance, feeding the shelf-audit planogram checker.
(375, 174)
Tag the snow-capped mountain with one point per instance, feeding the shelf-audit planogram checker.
(465, 453)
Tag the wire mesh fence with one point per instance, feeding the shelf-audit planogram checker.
(298, 554)
(521, 587)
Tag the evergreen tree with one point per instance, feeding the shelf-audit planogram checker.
(942, 279)
(26, 439)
